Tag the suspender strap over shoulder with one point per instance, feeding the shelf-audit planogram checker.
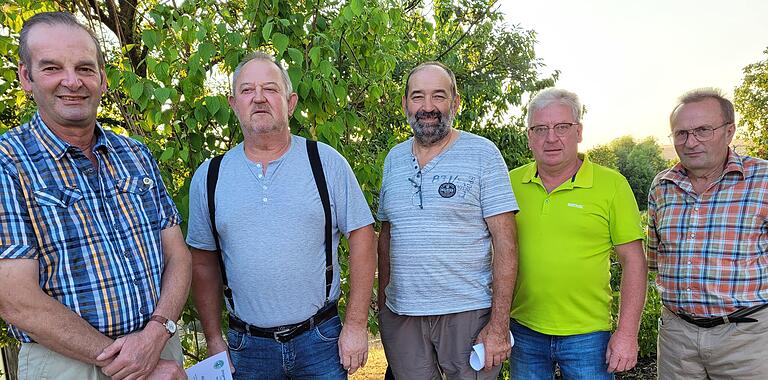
(322, 190)
(213, 178)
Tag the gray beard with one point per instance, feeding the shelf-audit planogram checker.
(428, 135)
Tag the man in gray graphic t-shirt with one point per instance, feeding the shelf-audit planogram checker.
(446, 203)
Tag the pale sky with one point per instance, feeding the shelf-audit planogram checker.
(629, 60)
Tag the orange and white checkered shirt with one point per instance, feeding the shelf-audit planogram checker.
(710, 250)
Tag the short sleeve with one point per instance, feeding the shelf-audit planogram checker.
(653, 236)
(625, 224)
(381, 214)
(496, 195)
(351, 208)
(168, 213)
(17, 238)
(199, 234)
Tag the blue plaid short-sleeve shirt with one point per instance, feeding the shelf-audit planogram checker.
(95, 231)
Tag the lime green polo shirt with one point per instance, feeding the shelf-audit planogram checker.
(565, 239)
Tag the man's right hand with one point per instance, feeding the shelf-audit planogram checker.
(167, 370)
(218, 345)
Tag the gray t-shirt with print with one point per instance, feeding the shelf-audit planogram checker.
(440, 248)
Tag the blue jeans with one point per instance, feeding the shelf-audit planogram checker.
(580, 356)
(313, 355)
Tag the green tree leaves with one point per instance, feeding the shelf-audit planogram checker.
(751, 102)
(638, 162)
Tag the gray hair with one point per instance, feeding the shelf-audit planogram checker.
(53, 18)
(551, 95)
(259, 55)
(704, 93)
(454, 87)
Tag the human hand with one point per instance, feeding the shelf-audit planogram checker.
(495, 338)
(135, 355)
(167, 370)
(218, 345)
(353, 347)
(621, 354)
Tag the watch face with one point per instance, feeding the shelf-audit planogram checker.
(171, 326)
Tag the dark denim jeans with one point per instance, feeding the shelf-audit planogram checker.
(313, 355)
(580, 356)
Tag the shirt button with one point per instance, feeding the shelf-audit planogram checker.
(260, 176)
(688, 289)
(147, 181)
(143, 310)
(264, 199)
(258, 165)
(264, 187)
(689, 263)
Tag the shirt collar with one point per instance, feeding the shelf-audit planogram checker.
(734, 165)
(56, 146)
(582, 178)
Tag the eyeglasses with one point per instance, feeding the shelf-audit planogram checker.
(417, 186)
(541, 131)
(702, 134)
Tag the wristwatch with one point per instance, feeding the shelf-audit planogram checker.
(170, 326)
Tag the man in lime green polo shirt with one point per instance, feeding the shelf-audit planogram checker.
(573, 214)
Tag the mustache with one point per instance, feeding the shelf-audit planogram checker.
(429, 114)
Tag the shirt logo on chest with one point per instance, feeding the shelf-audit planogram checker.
(447, 190)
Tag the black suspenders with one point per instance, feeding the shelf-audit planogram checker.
(322, 189)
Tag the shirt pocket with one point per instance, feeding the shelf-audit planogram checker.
(135, 184)
(57, 197)
(134, 198)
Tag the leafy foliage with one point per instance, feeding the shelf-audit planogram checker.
(169, 62)
(639, 162)
(751, 101)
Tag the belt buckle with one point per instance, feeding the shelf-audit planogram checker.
(281, 334)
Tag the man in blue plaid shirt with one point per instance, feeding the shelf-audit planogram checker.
(93, 266)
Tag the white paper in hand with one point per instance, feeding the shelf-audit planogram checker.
(477, 357)
(214, 368)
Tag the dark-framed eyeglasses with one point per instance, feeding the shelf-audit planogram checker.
(541, 131)
(702, 133)
(417, 185)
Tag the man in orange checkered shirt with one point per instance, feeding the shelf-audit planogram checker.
(708, 239)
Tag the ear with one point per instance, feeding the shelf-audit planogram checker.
(579, 130)
(26, 83)
(456, 103)
(103, 80)
(231, 101)
(293, 99)
(731, 131)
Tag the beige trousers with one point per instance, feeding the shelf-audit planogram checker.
(37, 362)
(730, 351)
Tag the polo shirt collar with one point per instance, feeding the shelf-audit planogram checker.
(56, 146)
(584, 177)
(734, 166)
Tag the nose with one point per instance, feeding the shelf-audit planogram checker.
(71, 81)
(428, 105)
(551, 136)
(690, 140)
(258, 95)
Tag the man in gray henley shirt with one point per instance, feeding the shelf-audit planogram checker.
(270, 222)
